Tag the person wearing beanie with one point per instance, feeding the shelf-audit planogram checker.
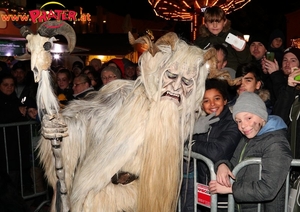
(276, 45)
(291, 59)
(276, 39)
(110, 73)
(287, 102)
(251, 103)
(278, 76)
(264, 137)
(258, 46)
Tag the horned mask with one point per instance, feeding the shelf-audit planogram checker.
(39, 45)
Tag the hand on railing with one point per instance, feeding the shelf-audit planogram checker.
(53, 126)
(224, 174)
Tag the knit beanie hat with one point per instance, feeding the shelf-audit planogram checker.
(258, 38)
(293, 50)
(250, 102)
(277, 33)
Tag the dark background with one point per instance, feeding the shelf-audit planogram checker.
(257, 16)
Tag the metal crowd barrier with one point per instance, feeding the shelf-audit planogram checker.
(231, 203)
(19, 160)
(294, 163)
(213, 199)
(28, 133)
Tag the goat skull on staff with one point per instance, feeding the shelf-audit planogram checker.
(39, 46)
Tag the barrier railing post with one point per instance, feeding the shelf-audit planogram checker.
(32, 137)
(235, 171)
(209, 163)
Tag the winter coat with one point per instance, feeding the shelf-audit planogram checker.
(84, 93)
(9, 113)
(272, 146)
(9, 108)
(234, 57)
(283, 107)
(218, 143)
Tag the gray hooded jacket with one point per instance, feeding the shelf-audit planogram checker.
(272, 146)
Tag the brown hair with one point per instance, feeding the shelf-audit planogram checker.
(214, 13)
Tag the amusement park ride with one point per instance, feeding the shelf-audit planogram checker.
(192, 10)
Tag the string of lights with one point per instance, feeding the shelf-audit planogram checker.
(13, 8)
(184, 10)
(191, 10)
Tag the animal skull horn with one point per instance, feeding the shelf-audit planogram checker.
(51, 28)
(38, 44)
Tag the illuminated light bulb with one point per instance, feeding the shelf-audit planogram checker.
(56, 56)
(246, 37)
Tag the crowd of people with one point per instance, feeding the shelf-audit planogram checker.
(18, 104)
(256, 118)
(263, 114)
(68, 84)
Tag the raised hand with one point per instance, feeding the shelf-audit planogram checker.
(203, 123)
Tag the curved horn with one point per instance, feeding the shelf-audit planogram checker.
(168, 39)
(145, 41)
(25, 30)
(131, 38)
(52, 28)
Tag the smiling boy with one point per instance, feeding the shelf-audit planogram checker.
(264, 137)
(215, 30)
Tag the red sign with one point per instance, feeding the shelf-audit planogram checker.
(203, 195)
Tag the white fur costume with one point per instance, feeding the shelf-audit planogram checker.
(133, 126)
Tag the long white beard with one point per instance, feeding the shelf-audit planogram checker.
(162, 152)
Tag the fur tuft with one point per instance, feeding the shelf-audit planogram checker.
(47, 101)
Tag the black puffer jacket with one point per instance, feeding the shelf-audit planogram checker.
(217, 144)
(234, 57)
(9, 108)
(283, 107)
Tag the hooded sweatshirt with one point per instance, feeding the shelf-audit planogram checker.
(272, 146)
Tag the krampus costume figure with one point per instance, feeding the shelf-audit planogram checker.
(122, 148)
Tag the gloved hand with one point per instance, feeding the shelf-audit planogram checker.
(203, 123)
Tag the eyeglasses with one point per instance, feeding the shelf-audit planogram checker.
(109, 77)
(76, 84)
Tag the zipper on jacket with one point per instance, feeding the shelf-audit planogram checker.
(241, 158)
